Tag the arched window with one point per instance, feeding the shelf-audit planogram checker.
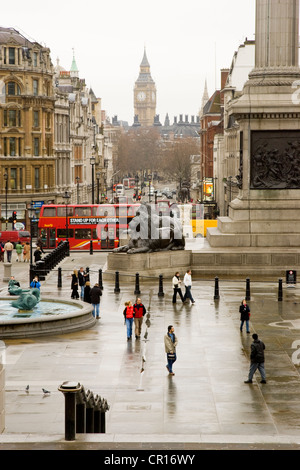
(13, 89)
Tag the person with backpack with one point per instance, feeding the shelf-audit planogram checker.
(128, 318)
(257, 358)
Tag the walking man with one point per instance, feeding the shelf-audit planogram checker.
(257, 358)
(95, 295)
(171, 342)
(8, 247)
(139, 311)
(188, 286)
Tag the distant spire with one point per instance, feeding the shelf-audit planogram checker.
(74, 69)
(145, 62)
(205, 97)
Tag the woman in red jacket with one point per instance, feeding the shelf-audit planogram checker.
(128, 316)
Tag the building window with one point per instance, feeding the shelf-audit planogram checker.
(36, 121)
(48, 146)
(35, 59)
(21, 178)
(12, 118)
(36, 146)
(13, 178)
(37, 178)
(48, 120)
(35, 87)
(13, 89)
(78, 152)
(10, 146)
(11, 56)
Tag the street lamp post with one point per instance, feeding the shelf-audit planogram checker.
(93, 161)
(98, 175)
(5, 176)
(150, 179)
(31, 215)
(137, 186)
(67, 196)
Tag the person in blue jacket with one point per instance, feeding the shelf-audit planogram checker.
(35, 284)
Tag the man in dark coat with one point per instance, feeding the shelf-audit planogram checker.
(257, 358)
(82, 278)
(245, 316)
(95, 295)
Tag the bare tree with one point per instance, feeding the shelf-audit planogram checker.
(176, 159)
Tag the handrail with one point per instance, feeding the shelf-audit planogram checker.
(84, 412)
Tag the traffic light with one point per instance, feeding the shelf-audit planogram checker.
(14, 217)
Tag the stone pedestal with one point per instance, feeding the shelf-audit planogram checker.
(266, 212)
(149, 264)
(7, 272)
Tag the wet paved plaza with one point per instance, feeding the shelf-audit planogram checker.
(205, 402)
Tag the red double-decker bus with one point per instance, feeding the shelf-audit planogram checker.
(104, 224)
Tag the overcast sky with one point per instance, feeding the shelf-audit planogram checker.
(187, 41)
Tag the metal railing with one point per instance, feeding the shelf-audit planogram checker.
(48, 263)
(85, 413)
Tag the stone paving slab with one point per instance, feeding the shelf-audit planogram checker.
(206, 402)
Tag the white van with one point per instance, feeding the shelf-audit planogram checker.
(120, 190)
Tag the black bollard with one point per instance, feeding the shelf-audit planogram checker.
(280, 294)
(217, 294)
(161, 286)
(87, 275)
(70, 390)
(104, 409)
(89, 420)
(117, 283)
(248, 295)
(137, 284)
(80, 418)
(31, 273)
(59, 280)
(91, 247)
(100, 281)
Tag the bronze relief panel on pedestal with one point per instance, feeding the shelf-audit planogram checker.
(275, 160)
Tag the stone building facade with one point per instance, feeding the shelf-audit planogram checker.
(26, 123)
(51, 134)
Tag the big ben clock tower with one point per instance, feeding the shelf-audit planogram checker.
(145, 95)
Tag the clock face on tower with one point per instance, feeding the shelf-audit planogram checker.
(141, 96)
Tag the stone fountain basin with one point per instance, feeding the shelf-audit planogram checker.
(78, 317)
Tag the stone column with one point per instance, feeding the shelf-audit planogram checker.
(276, 37)
(266, 212)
